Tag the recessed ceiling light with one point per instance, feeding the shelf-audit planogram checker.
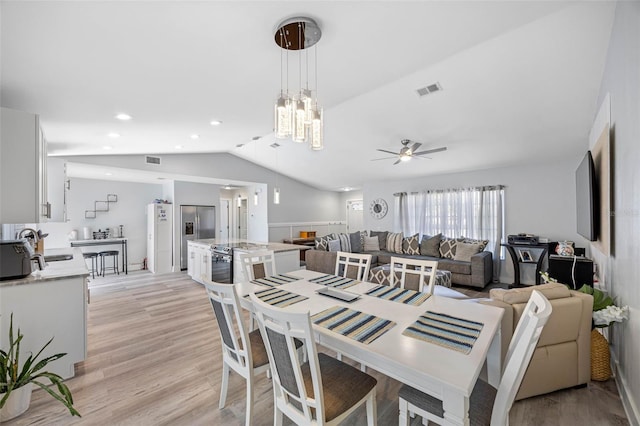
(216, 122)
(108, 174)
(256, 138)
(113, 135)
(195, 136)
(107, 147)
(178, 146)
(347, 189)
(124, 117)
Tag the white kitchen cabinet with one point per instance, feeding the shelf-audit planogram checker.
(53, 304)
(56, 188)
(199, 261)
(23, 171)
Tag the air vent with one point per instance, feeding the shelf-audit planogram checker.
(427, 90)
(152, 160)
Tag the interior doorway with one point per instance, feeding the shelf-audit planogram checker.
(355, 220)
(225, 225)
(242, 219)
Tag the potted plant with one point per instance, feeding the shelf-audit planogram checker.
(17, 380)
(605, 313)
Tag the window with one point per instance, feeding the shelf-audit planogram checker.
(476, 213)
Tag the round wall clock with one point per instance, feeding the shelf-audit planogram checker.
(378, 208)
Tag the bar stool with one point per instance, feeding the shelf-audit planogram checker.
(114, 266)
(94, 263)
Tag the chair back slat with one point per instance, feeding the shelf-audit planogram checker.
(225, 304)
(523, 343)
(423, 270)
(353, 265)
(258, 264)
(280, 329)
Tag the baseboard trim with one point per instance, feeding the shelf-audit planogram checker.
(628, 403)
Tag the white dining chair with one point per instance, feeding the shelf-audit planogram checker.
(242, 352)
(353, 265)
(488, 406)
(258, 264)
(422, 270)
(320, 391)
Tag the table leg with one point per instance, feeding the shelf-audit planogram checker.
(456, 408)
(125, 256)
(494, 360)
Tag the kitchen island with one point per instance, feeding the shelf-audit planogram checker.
(202, 252)
(49, 303)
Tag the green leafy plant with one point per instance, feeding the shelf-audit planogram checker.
(605, 312)
(14, 376)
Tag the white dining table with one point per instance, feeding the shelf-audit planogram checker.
(439, 371)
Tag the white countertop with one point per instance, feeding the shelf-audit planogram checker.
(260, 245)
(100, 241)
(55, 270)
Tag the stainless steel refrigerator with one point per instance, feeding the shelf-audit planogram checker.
(196, 223)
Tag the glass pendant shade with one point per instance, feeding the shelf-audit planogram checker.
(308, 106)
(299, 133)
(276, 195)
(282, 117)
(255, 198)
(316, 130)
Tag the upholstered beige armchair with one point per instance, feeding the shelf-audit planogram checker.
(563, 356)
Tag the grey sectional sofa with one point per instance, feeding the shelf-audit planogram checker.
(476, 273)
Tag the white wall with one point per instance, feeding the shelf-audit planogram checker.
(298, 202)
(539, 199)
(129, 211)
(622, 268)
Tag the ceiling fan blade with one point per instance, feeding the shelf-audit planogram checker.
(420, 158)
(397, 161)
(388, 152)
(415, 146)
(429, 151)
(383, 158)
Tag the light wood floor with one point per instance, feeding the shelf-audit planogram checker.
(155, 359)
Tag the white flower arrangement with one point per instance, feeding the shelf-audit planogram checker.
(612, 313)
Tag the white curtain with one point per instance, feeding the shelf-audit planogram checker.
(465, 212)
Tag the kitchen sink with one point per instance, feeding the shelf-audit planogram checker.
(58, 257)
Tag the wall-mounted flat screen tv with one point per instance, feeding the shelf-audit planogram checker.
(587, 199)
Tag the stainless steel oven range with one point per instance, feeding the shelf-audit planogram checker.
(222, 258)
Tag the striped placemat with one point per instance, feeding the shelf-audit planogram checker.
(334, 281)
(357, 325)
(278, 297)
(445, 330)
(409, 297)
(275, 280)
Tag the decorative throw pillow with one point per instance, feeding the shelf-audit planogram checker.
(482, 243)
(410, 245)
(382, 238)
(394, 242)
(345, 242)
(362, 235)
(356, 242)
(430, 246)
(371, 244)
(464, 251)
(334, 245)
(322, 243)
(448, 247)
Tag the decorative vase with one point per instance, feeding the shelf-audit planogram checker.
(600, 357)
(17, 403)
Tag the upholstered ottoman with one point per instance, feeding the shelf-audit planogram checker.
(380, 275)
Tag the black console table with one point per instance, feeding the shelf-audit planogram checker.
(513, 250)
(570, 270)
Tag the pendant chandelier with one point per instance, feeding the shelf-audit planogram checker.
(297, 113)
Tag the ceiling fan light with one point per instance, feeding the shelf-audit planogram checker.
(405, 157)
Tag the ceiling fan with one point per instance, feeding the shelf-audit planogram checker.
(408, 152)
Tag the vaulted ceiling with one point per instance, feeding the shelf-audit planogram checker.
(520, 80)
